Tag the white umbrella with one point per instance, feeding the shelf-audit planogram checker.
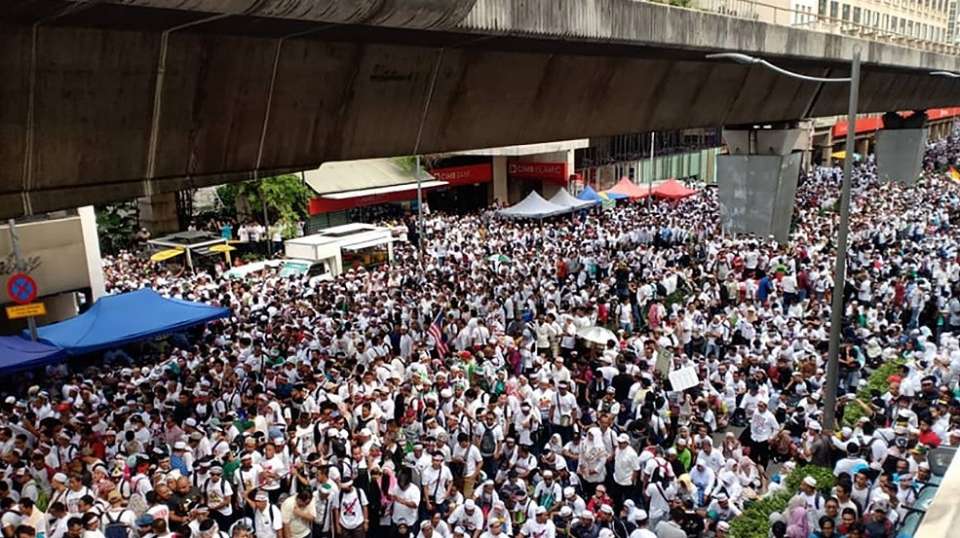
(596, 335)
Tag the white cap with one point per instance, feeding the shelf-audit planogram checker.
(623, 438)
(810, 481)
(469, 504)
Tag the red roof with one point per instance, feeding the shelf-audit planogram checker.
(869, 124)
(672, 189)
(628, 189)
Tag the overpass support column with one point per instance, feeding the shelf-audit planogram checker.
(900, 147)
(757, 181)
(158, 213)
(863, 147)
(500, 191)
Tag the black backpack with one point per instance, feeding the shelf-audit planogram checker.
(488, 443)
(115, 528)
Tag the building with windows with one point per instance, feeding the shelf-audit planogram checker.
(914, 22)
(923, 24)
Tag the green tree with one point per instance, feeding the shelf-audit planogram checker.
(286, 198)
(116, 225)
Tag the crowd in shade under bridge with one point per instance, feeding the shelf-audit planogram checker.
(453, 394)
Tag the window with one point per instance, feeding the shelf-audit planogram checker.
(845, 13)
(894, 27)
(833, 9)
(822, 8)
(866, 17)
(856, 15)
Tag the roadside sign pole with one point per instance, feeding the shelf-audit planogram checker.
(18, 261)
(653, 137)
(419, 210)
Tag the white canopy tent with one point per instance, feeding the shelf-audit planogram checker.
(565, 199)
(533, 207)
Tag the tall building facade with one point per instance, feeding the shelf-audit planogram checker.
(923, 24)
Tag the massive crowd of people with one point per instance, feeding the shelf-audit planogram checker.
(449, 394)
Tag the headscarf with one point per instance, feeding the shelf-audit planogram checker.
(797, 524)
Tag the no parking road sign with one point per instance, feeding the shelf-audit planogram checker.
(21, 288)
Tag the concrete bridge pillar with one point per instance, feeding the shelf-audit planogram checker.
(500, 191)
(757, 181)
(900, 147)
(158, 213)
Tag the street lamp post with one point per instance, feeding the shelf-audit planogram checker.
(840, 265)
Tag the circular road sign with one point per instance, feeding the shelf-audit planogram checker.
(21, 288)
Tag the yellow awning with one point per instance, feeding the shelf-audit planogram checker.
(839, 155)
(166, 254)
(222, 248)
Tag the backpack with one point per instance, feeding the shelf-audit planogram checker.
(116, 528)
(137, 503)
(658, 475)
(488, 443)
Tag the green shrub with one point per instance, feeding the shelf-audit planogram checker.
(823, 476)
(754, 522)
(876, 381)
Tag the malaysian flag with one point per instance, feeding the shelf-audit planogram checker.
(436, 331)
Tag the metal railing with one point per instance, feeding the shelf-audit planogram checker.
(762, 12)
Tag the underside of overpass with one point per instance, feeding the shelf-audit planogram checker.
(110, 100)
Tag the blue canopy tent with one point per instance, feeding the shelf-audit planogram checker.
(590, 195)
(116, 320)
(18, 353)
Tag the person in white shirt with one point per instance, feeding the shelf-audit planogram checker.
(494, 529)
(564, 411)
(406, 500)
(350, 511)
(852, 461)
(267, 518)
(626, 470)
(217, 494)
(469, 456)
(540, 526)
(468, 516)
(763, 427)
(273, 471)
(437, 481)
(117, 513)
(548, 492)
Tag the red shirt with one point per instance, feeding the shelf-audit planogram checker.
(929, 438)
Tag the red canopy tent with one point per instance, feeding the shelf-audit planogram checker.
(672, 189)
(629, 189)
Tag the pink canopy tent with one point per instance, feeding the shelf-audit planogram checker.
(629, 189)
(672, 189)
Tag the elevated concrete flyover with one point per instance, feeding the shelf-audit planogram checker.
(113, 99)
